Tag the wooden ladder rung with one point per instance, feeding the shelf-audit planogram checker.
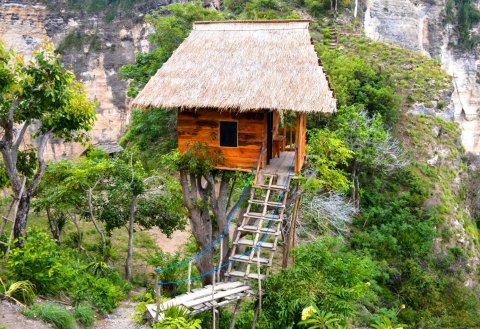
(254, 260)
(256, 229)
(263, 245)
(270, 187)
(268, 203)
(257, 215)
(240, 274)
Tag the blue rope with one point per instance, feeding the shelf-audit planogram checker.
(227, 228)
(247, 253)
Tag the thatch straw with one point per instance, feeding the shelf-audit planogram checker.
(242, 66)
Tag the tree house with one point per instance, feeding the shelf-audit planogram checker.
(242, 87)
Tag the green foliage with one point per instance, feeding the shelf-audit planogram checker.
(42, 90)
(327, 154)
(77, 40)
(412, 76)
(84, 315)
(393, 221)
(325, 274)
(313, 318)
(141, 309)
(358, 82)
(99, 268)
(160, 259)
(54, 314)
(262, 9)
(51, 269)
(197, 159)
(386, 323)
(152, 133)
(178, 323)
(21, 292)
(465, 15)
(170, 31)
(38, 262)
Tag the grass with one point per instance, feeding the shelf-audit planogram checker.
(85, 315)
(51, 313)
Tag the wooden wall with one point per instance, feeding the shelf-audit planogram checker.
(204, 126)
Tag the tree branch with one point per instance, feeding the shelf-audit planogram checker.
(20, 136)
(41, 161)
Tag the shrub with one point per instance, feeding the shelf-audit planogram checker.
(52, 269)
(325, 274)
(178, 323)
(37, 261)
(84, 315)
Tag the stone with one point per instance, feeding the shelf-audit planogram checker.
(23, 26)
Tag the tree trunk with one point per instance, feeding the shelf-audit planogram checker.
(20, 227)
(94, 221)
(79, 233)
(54, 224)
(131, 222)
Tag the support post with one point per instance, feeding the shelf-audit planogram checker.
(214, 319)
(189, 283)
(291, 233)
(220, 260)
(158, 291)
(235, 313)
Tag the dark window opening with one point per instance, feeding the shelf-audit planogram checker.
(228, 133)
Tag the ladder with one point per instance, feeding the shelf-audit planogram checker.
(254, 246)
(260, 228)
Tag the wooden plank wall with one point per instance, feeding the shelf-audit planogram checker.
(204, 126)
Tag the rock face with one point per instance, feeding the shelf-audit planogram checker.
(419, 25)
(92, 47)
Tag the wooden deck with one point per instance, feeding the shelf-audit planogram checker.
(280, 165)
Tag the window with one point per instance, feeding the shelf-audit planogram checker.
(228, 133)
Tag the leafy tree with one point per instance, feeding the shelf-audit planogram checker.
(43, 95)
(151, 133)
(373, 148)
(206, 195)
(114, 191)
(326, 156)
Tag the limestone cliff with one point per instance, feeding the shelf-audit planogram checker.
(98, 50)
(420, 25)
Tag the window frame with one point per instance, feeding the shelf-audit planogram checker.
(220, 133)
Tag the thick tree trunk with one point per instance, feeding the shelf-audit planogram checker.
(206, 199)
(131, 222)
(20, 227)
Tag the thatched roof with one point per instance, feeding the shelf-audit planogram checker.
(242, 66)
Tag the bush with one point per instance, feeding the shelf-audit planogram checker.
(52, 269)
(54, 314)
(325, 274)
(84, 315)
(37, 261)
